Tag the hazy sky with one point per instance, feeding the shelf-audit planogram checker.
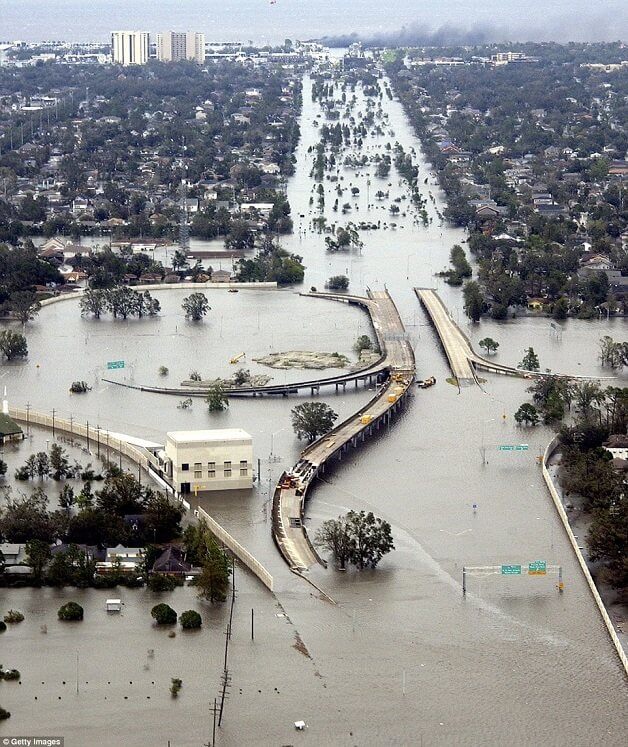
(261, 21)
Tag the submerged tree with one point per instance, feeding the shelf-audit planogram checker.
(195, 306)
(530, 361)
(312, 419)
(359, 538)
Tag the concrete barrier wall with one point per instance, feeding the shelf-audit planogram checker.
(73, 428)
(549, 452)
(136, 455)
(166, 286)
(236, 548)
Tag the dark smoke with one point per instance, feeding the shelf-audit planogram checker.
(596, 26)
(420, 36)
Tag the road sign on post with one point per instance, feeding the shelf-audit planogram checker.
(511, 570)
(512, 447)
(537, 568)
(115, 364)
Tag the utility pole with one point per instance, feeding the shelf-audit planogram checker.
(53, 422)
(252, 624)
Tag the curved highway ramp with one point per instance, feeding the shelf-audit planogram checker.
(289, 498)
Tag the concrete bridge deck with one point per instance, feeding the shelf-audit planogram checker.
(463, 360)
(289, 498)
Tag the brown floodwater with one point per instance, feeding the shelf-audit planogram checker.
(401, 658)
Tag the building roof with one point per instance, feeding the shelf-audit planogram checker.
(171, 561)
(617, 441)
(222, 434)
(8, 426)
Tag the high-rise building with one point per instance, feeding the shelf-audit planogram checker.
(129, 47)
(173, 46)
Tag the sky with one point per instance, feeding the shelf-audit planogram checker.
(261, 21)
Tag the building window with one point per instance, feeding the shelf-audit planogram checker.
(211, 473)
(198, 466)
(227, 473)
(243, 471)
(227, 465)
(185, 467)
(211, 466)
(198, 474)
(243, 463)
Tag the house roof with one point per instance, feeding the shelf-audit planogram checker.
(171, 561)
(8, 426)
(617, 441)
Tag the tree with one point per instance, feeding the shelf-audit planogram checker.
(59, 463)
(333, 536)
(190, 620)
(179, 260)
(371, 538)
(530, 361)
(195, 306)
(242, 376)
(93, 302)
(473, 300)
(363, 342)
(70, 611)
(13, 344)
(608, 541)
(24, 305)
(161, 582)
(162, 518)
(163, 614)
(312, 419)
(527, 414)
(3, 468)
(489, 345)
(359, 538)
(216, 398)
(38, 554)
(338, 282)
(213, 581)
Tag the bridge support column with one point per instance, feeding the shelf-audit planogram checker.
(356, 383)
(336, 388)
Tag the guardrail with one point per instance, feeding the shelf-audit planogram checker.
(236, 548)
(551, 449)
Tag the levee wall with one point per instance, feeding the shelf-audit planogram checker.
(138, 456)
(236, 548)
(551, 449)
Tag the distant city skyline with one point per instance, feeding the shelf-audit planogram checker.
(262, 22)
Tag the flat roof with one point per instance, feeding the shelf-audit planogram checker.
(219, 434)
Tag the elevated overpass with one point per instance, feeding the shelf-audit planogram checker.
(289, 498)
(463, 360)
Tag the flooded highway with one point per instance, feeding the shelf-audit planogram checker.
(401, 658)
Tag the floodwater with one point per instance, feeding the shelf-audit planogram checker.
(401, 658)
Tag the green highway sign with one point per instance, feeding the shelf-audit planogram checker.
(511, 570)
(115, 364)
(512, 447)
(537, 568)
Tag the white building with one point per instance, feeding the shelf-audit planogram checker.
(197, 461)
(173, 46)
(129, 47)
